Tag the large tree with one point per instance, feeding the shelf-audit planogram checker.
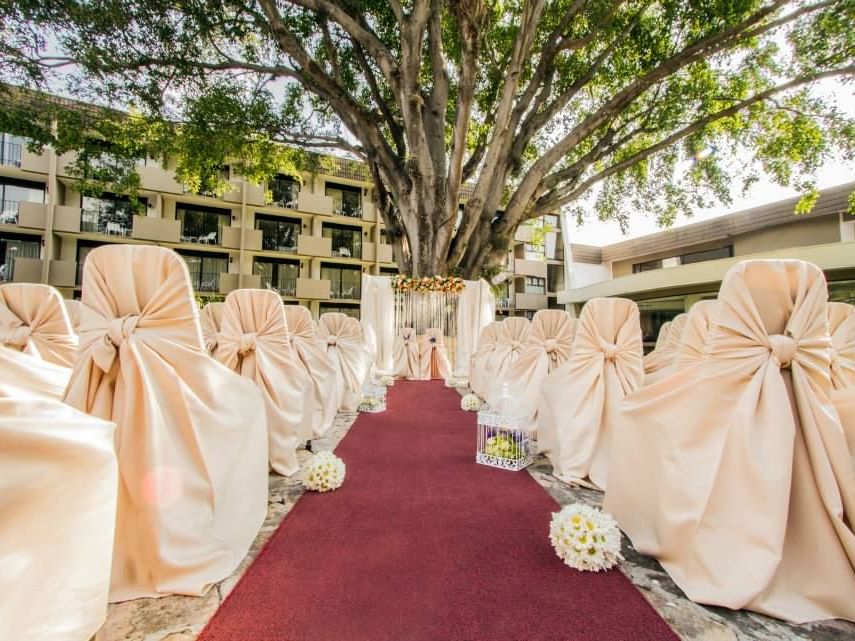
(522, 106)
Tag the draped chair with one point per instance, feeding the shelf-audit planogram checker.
(735, 473)
(841, 326)
(254, 343)
(664, 356)
(662, 338)
(547, 345)
(25, 375)
(312, 353)
(487, 342)
(509, 342)
(191, 436)
(579, 401)
(210, 318)
(351, 359)
(72, 308)
(406, 354)
(693, 340)
(33, 320)
(433, 355)
(58, 505)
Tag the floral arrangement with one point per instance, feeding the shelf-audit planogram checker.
(324, 472)
(447, 284)
(371, 404)
(585, 538)
(503, 446)
(451, 382)
(387, 380)
(470, 403)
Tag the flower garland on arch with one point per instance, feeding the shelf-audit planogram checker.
(447, 284)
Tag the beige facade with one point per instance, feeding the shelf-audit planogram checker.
(667, 272)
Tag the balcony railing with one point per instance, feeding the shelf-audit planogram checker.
(503, 304)
(192, 234)
(351, 292)
(347, 210)
(95, 223)
(9, 213)
(284, 287)
(347, 251)
(207, 281)
(10, 154)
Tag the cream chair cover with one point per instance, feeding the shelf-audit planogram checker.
(24, 375)
(211, 317)
(350, 358)
(844, 403)
(487, 342)
(579, 401)
(191, 436)
(509, 342)
(666, 355)
(433, 355)
(33, 320)
(546, 347)
(693, 341)
(663, 335)
(406, 360)
(841, 326)
(72, 308)
(58, 507)
(734, 473)
(254, 342)
(312, 353)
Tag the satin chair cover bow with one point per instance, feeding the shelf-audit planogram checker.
(33, 320)
(58, 507)
(312, 353)
(351, 359)
(548, 343)
(841, 326)
(579, 400)
(487, 342)
(191, 435)
(211, 317)
(735, 472)
(433, 356)
(406, 354)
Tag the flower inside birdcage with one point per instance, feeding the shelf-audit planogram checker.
(373, 397)
(505, 436)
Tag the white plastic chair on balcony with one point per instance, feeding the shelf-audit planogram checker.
(116, 229)
(209, 239)
(191, 435)
(33, 320)
(350, 357)
(344, 252)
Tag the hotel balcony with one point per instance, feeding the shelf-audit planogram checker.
(314, 246)
(313, 289)
(27, 270)
(62, 273)
(314, 203)
(38, 163)
(385, 253)
(153, 177)
(229, 282)
(161, 230)
(252, 238)
(32, 215)
(531, 301)
(523, 267)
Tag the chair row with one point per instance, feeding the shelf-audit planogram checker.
(421, 357)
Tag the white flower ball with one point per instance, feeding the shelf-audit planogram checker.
(585, 538)
(451, 382)
(387, 380)
(470, 403)
(324, 472)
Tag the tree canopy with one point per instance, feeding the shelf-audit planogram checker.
(523, 107)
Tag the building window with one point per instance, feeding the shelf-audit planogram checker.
(555, 277)
(13, 193)
(278, 275)
(535, 285)
(535, 251)
(202, 224)
(347, 310)
(842, 291)
(12, 247)
(278, 234)
(345, 282)
(648, 266)
(346, 241)
(347, 200)
(388, 271)
(109, 214)
(205, 271)
(11, 149)
(283, 191)
(707, 254)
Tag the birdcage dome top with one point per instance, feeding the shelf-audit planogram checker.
(504, 411)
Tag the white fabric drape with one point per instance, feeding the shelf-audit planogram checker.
(487, 342)
(25, 375)
(407, 354)
(312, 353)
(693, 340)
(476, 308)
(377, 311)
(734, 472)
(351, 360)
(210, 318)
(841, 326)
(579, 401)
(547, 345)
(191, 435)
(33, 320)
(58, 507)
(433, 357)
(254, 343)
(509, 341)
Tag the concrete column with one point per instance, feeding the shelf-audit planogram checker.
(53, 189)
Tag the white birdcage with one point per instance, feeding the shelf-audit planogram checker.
(373, 397)
(505, 436)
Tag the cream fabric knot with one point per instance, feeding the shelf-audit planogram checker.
(247, 343)
(17, 336)
(515, 344)
(610, 350)
(783, 348)
(550, 345)
(118, 331)
(331, 340)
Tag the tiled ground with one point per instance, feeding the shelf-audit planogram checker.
(182, 618)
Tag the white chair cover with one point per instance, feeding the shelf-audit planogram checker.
(579, 401)
(662, 338)
(25, 375)
(665, 356)
(734, 472)
(254, 342)
(312, 353)
(693, 340)
(72, 308)
(509, 342)
(844, 403)
(350, 358)
(841, 326)
(546, 347)
(210, 318)
(58, 507)
(33, 320)
(433, 356)
(487, 342)
(191, 436)
(406, 354)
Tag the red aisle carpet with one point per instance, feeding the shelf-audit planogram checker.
(423, 544)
